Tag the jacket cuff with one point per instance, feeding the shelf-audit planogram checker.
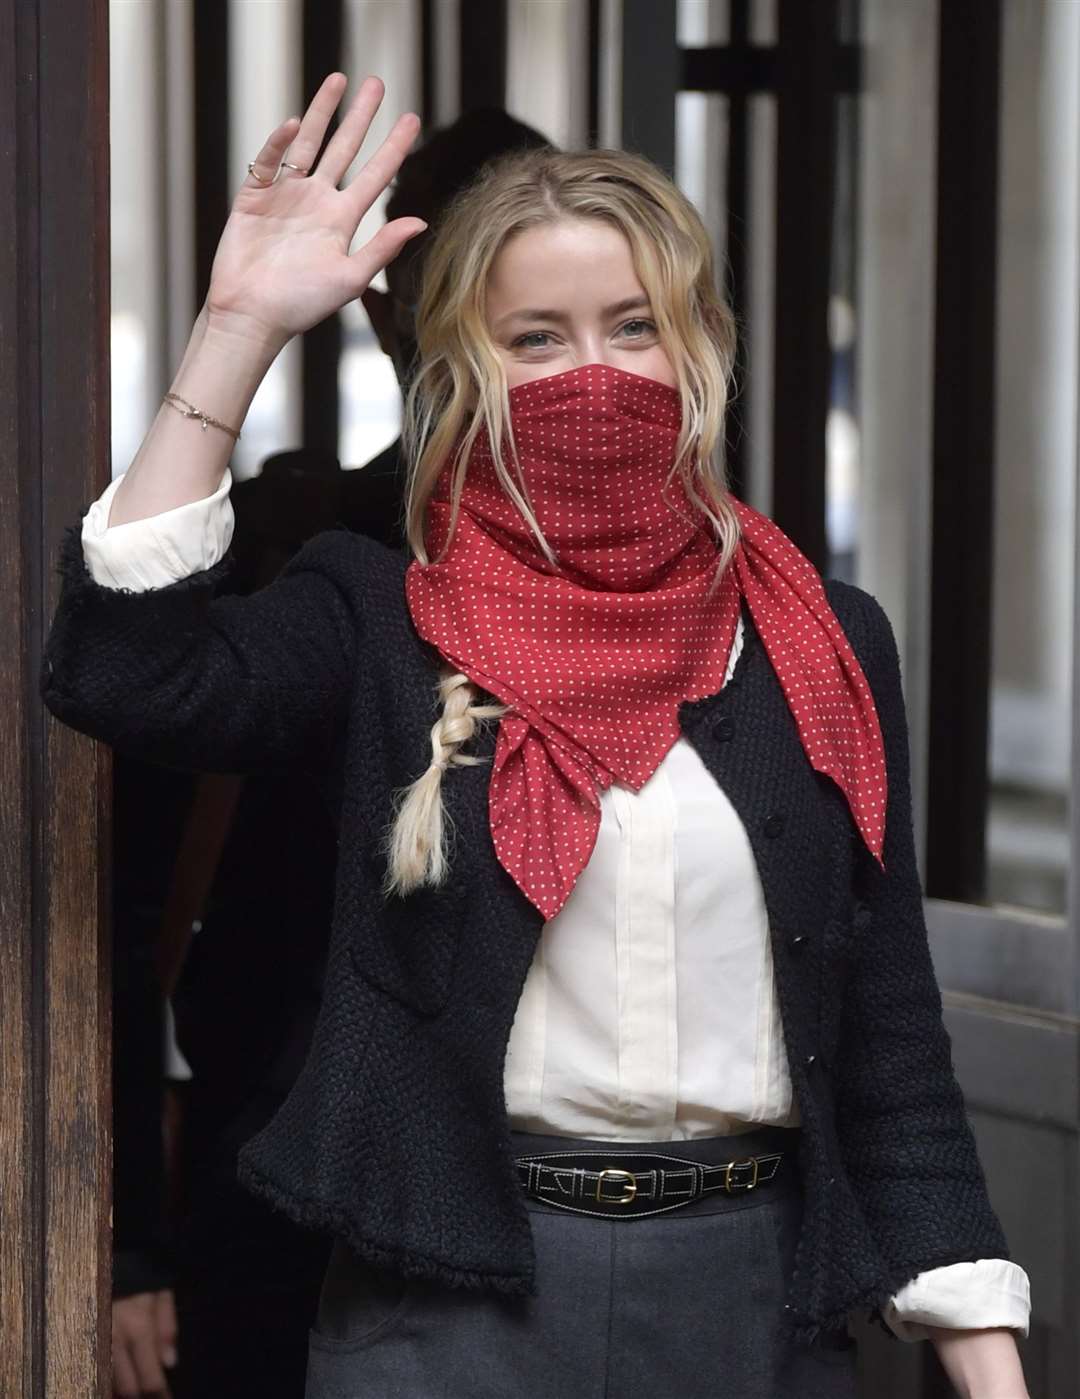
(160, 549)
(988, 1292)
(137, 1270)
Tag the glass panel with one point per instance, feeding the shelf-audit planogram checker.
(763, 21)
(701, 159)
(264, 87)
(137, 296)
(701, 23)
(842, 458)
(549, 38)
(760, 326)
(1035, 455)
(895, 195)
(383, 39)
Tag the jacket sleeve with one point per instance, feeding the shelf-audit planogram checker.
(907, 1145)
(182, 677)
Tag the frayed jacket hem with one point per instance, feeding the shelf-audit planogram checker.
(318, 1215)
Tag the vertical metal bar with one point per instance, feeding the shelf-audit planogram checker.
(592, 69)
(650, 79)
(1072, 874)
(483, 30)
(212, 199)
(739, 234)
(159, 56)
(178, 132)
(963, 450)
(806, 159)
(427, 64)
(323, 32)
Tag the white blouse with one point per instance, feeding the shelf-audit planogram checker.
(637, 1021)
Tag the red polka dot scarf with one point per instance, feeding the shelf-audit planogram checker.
(594, 656)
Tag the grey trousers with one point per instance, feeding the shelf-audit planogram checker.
(682, 1304)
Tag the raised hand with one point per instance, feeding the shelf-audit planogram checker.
(283, 262)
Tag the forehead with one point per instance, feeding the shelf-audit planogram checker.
(579, 257)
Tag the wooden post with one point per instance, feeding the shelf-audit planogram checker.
(54, 784)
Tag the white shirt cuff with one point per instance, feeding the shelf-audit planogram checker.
(988, 1292)
(160, 549)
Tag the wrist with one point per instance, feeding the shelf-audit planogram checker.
(222, 370)
(242, 336)
(981, 1363)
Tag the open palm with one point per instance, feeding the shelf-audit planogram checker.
(283, 262)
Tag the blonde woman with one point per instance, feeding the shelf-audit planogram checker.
(631, 1076)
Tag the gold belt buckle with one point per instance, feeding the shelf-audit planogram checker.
(629, 1185)
(753, 1161)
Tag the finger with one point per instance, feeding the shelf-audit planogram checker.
(123, 1374)
(343, 146)
(265, 164)
(377, 172)
(313, 124)
(382, 248)
(148, 1371)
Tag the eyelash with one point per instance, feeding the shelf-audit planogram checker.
(638, 320)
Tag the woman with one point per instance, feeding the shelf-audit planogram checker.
(630, 1075)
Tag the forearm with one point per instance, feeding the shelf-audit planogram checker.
(980, 1364)
(178, 461)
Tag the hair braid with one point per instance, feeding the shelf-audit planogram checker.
(416, 840)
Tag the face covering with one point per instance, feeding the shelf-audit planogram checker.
(595, 654)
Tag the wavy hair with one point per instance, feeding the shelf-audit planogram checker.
(460, 389)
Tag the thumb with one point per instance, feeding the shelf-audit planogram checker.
(382, 249)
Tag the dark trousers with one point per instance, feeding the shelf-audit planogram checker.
(246, 1296)
(685, 1303)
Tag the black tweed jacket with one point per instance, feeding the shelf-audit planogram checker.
(395, 1136)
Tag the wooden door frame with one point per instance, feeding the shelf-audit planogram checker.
(55, 803)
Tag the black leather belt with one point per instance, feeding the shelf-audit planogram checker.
(590, 1182)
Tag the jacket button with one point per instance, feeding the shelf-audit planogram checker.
(799, 940)
(774, 824)
(724, 728)
(810, 1060)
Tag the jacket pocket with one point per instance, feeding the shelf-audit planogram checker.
(407, 946)
(359, 1303)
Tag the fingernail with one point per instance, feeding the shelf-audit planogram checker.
(168, 1358)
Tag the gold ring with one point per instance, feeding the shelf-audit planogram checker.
(261, 178)
(285, 165)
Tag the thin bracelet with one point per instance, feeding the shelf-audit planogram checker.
(190, 411)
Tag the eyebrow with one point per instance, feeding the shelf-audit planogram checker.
(631, 303)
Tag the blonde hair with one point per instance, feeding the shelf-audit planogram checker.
(460, 386)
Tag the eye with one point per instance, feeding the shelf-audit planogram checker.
(529, 334)
(649, 324)
(647, 328)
